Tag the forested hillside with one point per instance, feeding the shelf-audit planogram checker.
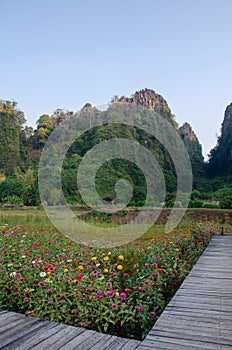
(21, 147)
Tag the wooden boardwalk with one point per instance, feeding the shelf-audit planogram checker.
(199, 316)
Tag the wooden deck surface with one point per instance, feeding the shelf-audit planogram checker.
(199, 316)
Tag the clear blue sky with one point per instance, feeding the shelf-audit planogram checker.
(64, 53)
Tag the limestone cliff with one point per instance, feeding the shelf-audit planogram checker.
(220, 157)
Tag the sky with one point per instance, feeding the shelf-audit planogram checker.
(65, 53)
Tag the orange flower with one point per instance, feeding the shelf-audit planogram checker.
(160, 270)
(30, 313)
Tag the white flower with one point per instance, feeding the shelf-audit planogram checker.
(42, 274)
(12, 274)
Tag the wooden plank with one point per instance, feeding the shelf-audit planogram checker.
(130, 345)
(11, 334)
(61, 337)
(24, 341)
(38, 338)
(85, 342)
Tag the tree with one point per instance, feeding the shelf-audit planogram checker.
(11, 126)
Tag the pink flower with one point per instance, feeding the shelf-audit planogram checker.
(154, 265)
(108, 284)
(125, 275)
(99, 292)
(79, 276)
(25, 300)
(140, 289)
(140, 309)
(50, 302)
(49, 291)
(122, 295)
(110, 293)
(152, 314)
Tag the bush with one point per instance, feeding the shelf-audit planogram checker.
(197, 203)
(210, 206)
(226, 204)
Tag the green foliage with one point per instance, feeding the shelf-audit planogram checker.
(197, 203)
(10, 187)
(226, 204)
(11, 122)
(220, 157)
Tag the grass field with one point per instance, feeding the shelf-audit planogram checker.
(37, 219)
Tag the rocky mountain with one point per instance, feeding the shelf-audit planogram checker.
(194, 149)
(150, 99)
(220, 157)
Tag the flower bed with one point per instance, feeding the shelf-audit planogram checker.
(120, 291)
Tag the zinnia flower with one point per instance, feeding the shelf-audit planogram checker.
(79, 276)
(122, 295)
(140, 309)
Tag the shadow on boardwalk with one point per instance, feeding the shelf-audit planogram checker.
(199, 316)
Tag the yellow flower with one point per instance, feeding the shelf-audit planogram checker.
(106, 258)
(65, 270)
(48, 272)
(177, 249)
(80, 267)
(94, 258)
(106, 270)
(116, 294)
(121, 257)
(47, 280)
(119, 267)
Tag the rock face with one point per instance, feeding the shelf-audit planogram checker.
(187, 133)
(220, 157)
(194, 149)
(227, 123)
(150, 99)
(147, 98)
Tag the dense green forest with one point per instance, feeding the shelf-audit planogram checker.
(21, 147)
